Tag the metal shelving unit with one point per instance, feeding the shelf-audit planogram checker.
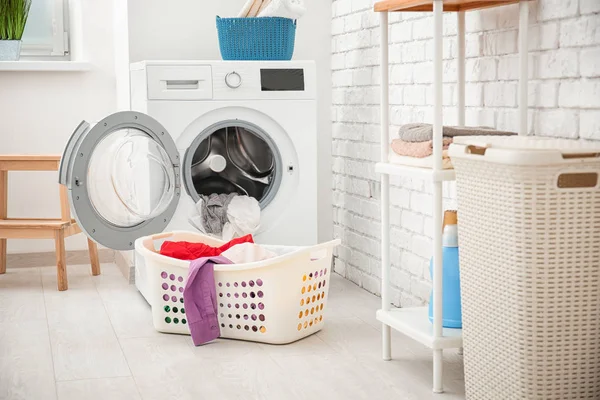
(414, 322)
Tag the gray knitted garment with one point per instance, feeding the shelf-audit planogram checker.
(423, 132)
(214, 211)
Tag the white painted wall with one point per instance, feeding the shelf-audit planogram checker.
(564, 101)
(40, 110)
(186, 29)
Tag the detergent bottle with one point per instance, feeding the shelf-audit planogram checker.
(452, 314)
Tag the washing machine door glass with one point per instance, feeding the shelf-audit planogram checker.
(233, 157)
(130, 178)
(123, 178)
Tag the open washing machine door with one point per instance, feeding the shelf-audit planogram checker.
(122, 176)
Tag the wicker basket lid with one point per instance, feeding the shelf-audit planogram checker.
(524, 150)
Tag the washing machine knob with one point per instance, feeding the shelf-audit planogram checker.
(233, 80)
(217, 163)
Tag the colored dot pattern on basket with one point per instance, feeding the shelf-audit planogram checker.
(312, 299)
(246, 299)
(173, 308)
(241, 304)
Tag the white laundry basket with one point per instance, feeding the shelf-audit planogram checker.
(279, 300)
(529, 212)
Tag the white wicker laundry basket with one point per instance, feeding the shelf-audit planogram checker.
(529, 212)
(279, 300)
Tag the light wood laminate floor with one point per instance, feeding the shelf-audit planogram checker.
(96, 342)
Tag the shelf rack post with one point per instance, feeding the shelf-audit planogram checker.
(413, 321)
(438, 354)
(523, 65)
(385, 187)
(460, 81)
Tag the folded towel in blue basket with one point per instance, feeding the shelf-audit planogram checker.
(292, 9)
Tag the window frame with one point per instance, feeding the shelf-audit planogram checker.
(60, 37)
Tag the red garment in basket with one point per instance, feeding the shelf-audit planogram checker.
(193, 251)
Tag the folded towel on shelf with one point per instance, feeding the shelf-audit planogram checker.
(250, 8)
(425, 162)
(292, 9)
(419, 132)
(417, 149)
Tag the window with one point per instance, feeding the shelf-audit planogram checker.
(46, 32)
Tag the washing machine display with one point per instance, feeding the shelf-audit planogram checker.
(233, 157)
(277, 80)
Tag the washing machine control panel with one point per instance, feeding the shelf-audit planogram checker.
(269, 80)
(228, 80)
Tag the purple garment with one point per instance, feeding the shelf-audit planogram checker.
(200, 299)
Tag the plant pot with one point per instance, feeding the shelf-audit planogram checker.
(10, 50)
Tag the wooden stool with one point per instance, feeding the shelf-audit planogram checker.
(39, 228)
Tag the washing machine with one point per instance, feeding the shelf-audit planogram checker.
(197, 128)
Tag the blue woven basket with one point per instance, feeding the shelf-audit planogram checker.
(265, 38)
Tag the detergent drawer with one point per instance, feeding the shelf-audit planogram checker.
(182, 82)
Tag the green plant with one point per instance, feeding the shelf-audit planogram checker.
(13, 17)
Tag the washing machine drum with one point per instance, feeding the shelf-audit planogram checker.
(231, 158)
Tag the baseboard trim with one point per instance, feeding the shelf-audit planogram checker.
(45, 259)
(124, 261)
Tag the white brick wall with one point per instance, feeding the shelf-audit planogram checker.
(564, 101)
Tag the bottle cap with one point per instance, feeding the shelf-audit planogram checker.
(450, 229)
(450, 218)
